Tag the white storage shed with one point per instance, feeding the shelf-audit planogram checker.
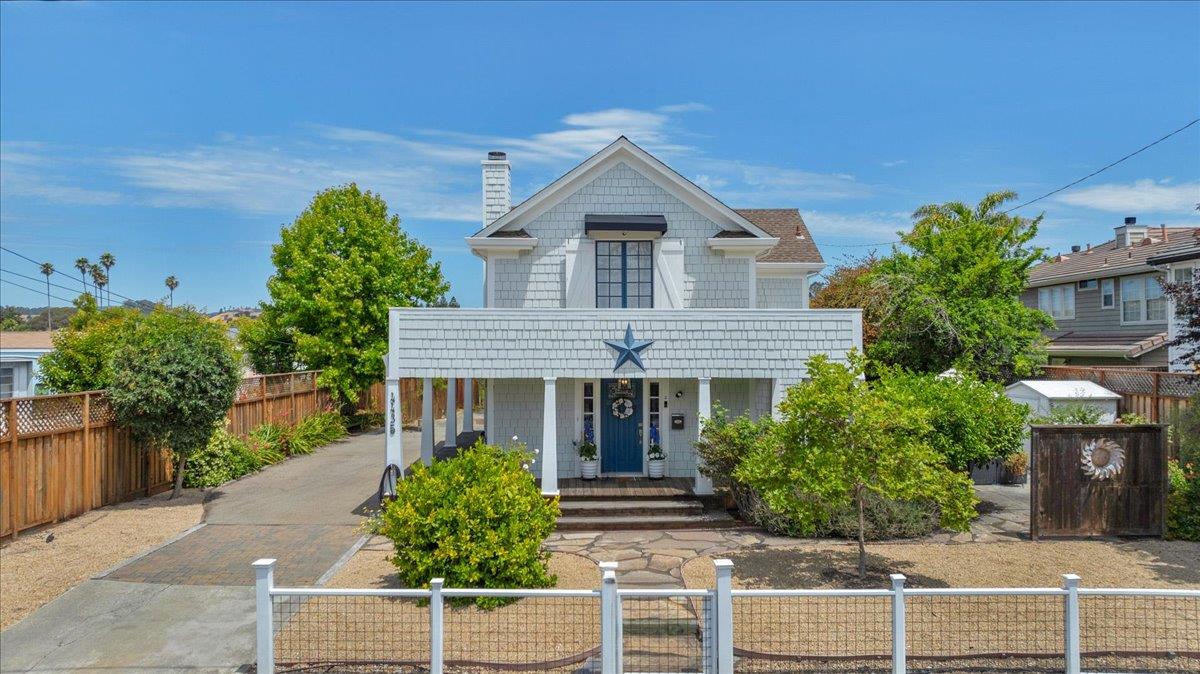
(1042, 396)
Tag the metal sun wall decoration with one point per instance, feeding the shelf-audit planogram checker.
(1101, 459)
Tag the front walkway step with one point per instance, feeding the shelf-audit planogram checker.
(625, 508)
(704, 520)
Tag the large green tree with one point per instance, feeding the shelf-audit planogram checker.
(83, 350)
(852, 284)
(175, 375)
(841, 440)
(953, 295)
(338, 269)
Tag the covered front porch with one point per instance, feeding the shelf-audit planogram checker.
(625, 380)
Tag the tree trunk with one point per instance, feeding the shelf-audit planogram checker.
(179, 477)
(862, 543)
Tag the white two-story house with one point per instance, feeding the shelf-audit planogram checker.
(622, 302)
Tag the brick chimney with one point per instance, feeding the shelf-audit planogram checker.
(497, 187)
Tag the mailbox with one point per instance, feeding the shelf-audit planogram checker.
(677, 422)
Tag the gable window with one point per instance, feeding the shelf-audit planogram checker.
(1108, 294)
(624, 274)
(1058, 301)
(1142, 300)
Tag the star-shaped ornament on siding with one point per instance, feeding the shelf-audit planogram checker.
(629, 350)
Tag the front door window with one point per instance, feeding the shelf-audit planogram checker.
(624, 274)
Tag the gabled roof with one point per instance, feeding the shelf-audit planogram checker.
(795, 243)
(1113, 259)
(623, 149)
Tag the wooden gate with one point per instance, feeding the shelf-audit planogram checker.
(1065, 500)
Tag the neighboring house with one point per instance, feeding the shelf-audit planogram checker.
(1181, 266)
(19, 353)
(1106, 301)
(622, 303)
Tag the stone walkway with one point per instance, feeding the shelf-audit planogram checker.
(656, 558)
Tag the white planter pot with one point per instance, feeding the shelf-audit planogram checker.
(588, 469)
(656, 468)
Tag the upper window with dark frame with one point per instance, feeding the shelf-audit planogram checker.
(624, 274)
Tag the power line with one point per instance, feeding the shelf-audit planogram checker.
(34, 278)
(62, 273)
(1048, 194)
(39, 292)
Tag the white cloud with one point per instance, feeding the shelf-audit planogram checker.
(426, 173)
(893, 163)
(1141, 196)
(879, 225)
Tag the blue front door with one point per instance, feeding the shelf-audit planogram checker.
(621, 426)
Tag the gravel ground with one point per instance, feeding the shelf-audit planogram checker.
(34, 571)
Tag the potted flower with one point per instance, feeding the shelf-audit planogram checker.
(657, 459)
(587, 456)
(1015, 467)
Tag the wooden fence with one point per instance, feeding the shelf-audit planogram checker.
(1065, 500)
(63, 455)
(1157, 396)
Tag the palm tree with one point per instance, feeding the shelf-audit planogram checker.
(81, 263)
(172, 284)
(99, 279)
(108, 261)
(48, 269)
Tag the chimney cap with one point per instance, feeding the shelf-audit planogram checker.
(1131, 220)
(497, 156)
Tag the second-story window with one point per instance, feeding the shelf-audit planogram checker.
(624, 274)
(1058, 301)
(1142, 300)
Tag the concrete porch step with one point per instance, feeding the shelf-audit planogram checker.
(680, 507)
(705, 520)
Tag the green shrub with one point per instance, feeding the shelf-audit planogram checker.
(224, 458)
(270, 438)
(1073, 414)
(317, 430)
(477, 520)
(970, 421)
(1183, 502)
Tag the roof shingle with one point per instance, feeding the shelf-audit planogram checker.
(1110, 259)
(795, 243)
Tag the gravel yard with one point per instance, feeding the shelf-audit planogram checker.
(34, 571)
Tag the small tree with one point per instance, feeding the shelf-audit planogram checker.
(338, 269)
(172, 283)
(47, 270)
(269, 346)
(954, 297)
(108, 261)
(83, 350)
(82, 264)
(174, 377)
(1185, 296)
(99, 280)
(840, 440)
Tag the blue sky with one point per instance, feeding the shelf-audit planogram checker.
(180, 137)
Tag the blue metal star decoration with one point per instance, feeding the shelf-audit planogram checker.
(629, 350)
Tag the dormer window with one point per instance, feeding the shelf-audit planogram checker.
(624, 274)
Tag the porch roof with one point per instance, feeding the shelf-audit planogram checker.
(687, 343)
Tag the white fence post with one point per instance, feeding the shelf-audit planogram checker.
(724, 627)
(1071, 622)
(436, 619)
(899, 648)
(610, 618)
(264, 580)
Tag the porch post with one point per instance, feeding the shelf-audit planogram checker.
(549, 455)
(703, 414)
(427, 421)
(394, 445)
(468, 404)
(451, 412)
(777, 390)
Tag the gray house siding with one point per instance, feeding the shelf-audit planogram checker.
(780, 293)
(535, 280)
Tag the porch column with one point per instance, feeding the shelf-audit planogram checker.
(703, 414)
(777, 392)
(427, 422)
(451, 412)
(394, 444)
(549, 455)
(468, 404)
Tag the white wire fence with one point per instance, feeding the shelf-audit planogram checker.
(723, 630)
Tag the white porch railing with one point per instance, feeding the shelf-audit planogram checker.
(724, 630)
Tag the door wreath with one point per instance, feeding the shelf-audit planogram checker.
(622, 408)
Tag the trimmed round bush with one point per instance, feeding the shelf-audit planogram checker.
(478, 520)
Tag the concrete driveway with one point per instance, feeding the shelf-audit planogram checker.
(189, 606)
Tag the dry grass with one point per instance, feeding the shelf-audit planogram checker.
(34, 571)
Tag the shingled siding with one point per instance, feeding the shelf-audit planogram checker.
(524, 343)
(536, 279)
(780, 292)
